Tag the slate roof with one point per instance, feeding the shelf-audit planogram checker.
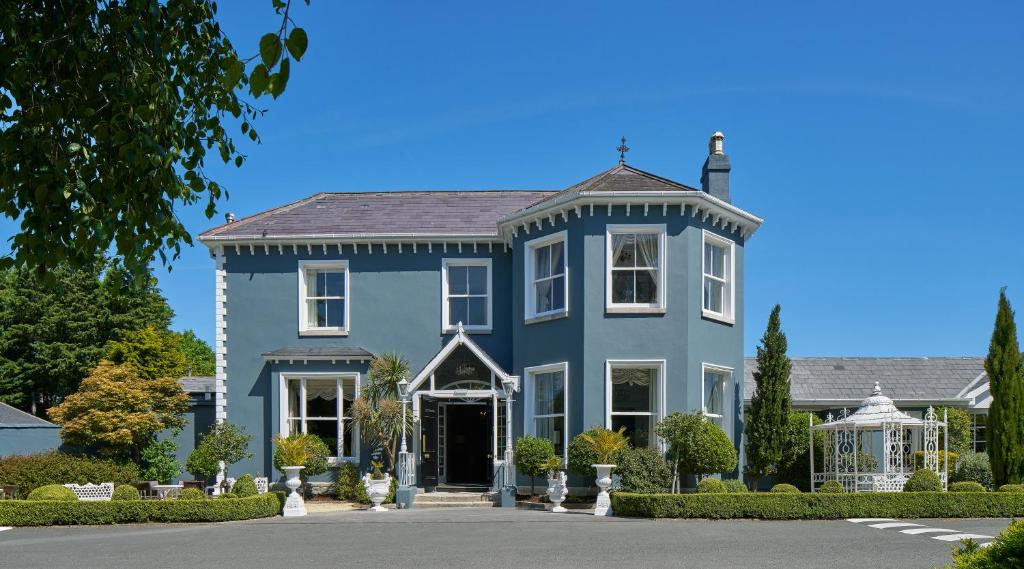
(198, 383)
(326, 352)
(852, 378)
(621, 178)
(469, 212)
(11, 417)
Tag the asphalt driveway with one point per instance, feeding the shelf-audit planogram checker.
(493, 537)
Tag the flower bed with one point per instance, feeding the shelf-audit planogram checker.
(775, 506)
(50, 513)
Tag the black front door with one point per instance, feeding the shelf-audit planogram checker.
(428, 443)
(468, 443)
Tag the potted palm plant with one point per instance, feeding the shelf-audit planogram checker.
(378, 484)
(557, 488)
(291, 454)
(605, 444)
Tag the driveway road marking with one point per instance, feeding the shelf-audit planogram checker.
(959, 536)
(888, 525)
(862, 520)
(926, 530)
(5, 528)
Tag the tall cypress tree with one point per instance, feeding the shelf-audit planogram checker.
(768, 418)
(1005, 429)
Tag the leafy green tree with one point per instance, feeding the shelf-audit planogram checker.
(961, 433)
(532, 455)
(697, 446)
(768, 417)
(160, 462)
(53, 336)
(225, 443)
(201, 463)
(118, 412)
(794, 465)
(1005, 368)
(199, 356)
(107, 123)
(153, 353)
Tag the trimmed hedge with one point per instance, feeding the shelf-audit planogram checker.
(53, 492)
(711, 486)
(834, 487)
(769, 506)
(785, 489)
(49, 513)
(1011, 488)
(31, 471)
(966, 486)
(734, 486)
(126, 492)
(245, 487)
(923, 481)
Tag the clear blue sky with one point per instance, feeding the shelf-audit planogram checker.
(881, 142)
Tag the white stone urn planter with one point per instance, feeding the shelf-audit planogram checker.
(377, 489)
(294, 506)
(557, 491)
(603, 507)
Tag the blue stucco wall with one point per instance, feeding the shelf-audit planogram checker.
(28, 440)
(199, 418)
(395, 306)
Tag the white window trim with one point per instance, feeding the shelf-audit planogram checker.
(341, 266)
(660, 398)
(465, 262)
(529, 299)
(729, 294)
(729, 374)
(529, 425)
(633, 308)
(282, 427)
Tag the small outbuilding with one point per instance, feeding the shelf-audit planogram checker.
(23, 433)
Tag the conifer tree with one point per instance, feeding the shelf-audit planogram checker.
(768, 418)
(1005, 429)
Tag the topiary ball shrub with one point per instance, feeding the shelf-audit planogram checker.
(785, 489)
(53, 492)
(244, 487)
(711, 486)
(1012, 488)
(966, 486)
(191, 494)
(832, 487)
(642, 471)
(531, 456)
(923, 481)
(126, 493)
(974, 467)
(735, 486)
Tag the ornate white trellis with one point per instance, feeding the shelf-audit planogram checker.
(845, 460)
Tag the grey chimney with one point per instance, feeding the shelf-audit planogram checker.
(714, 177)
(229, 217)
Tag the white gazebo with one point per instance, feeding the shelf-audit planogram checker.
(901, 436)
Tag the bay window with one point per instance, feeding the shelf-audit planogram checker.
(718, 277)
(635, 399)
(636, 268)
(545, 276)
(716, 381)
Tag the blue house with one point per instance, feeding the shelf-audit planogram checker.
(612, 302)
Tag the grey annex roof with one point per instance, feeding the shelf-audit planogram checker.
(11, 417)
(469, 212)
(197, 383)
(319, 353)
(853, 378)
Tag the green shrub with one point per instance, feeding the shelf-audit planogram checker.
(923, 481)
(832, 487)
(348, 486)
(772, 506)
(711, 486)
(31, 471)
(642, 470)
(700, 446)
(531, 456)
(54, 492)
(245, 487)
(785, 489)
(1012, 488)
(1006, 551)
(582, 456)
(735, 486)
(795, 462)
(161, 461)
(127, 493)
(191, 494)
(953, 458)
(27, 513)
(299, 449)
(201, 463)
(973, 467)
(966, 486)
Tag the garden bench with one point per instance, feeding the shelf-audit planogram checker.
(93, 492)
(8, 492)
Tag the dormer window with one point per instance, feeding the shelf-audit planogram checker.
(547, 285)
(636, 268)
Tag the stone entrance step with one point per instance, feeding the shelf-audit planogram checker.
(455, 500)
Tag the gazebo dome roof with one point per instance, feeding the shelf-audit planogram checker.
(874, 411)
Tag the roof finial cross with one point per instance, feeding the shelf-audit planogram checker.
(623, 149)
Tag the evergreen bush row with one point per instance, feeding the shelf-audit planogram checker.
(784, 506)
(50, 513)
(30, 471)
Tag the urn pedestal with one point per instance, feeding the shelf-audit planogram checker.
(604, 482)
(294, 506)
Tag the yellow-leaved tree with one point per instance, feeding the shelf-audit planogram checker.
(118, 412)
